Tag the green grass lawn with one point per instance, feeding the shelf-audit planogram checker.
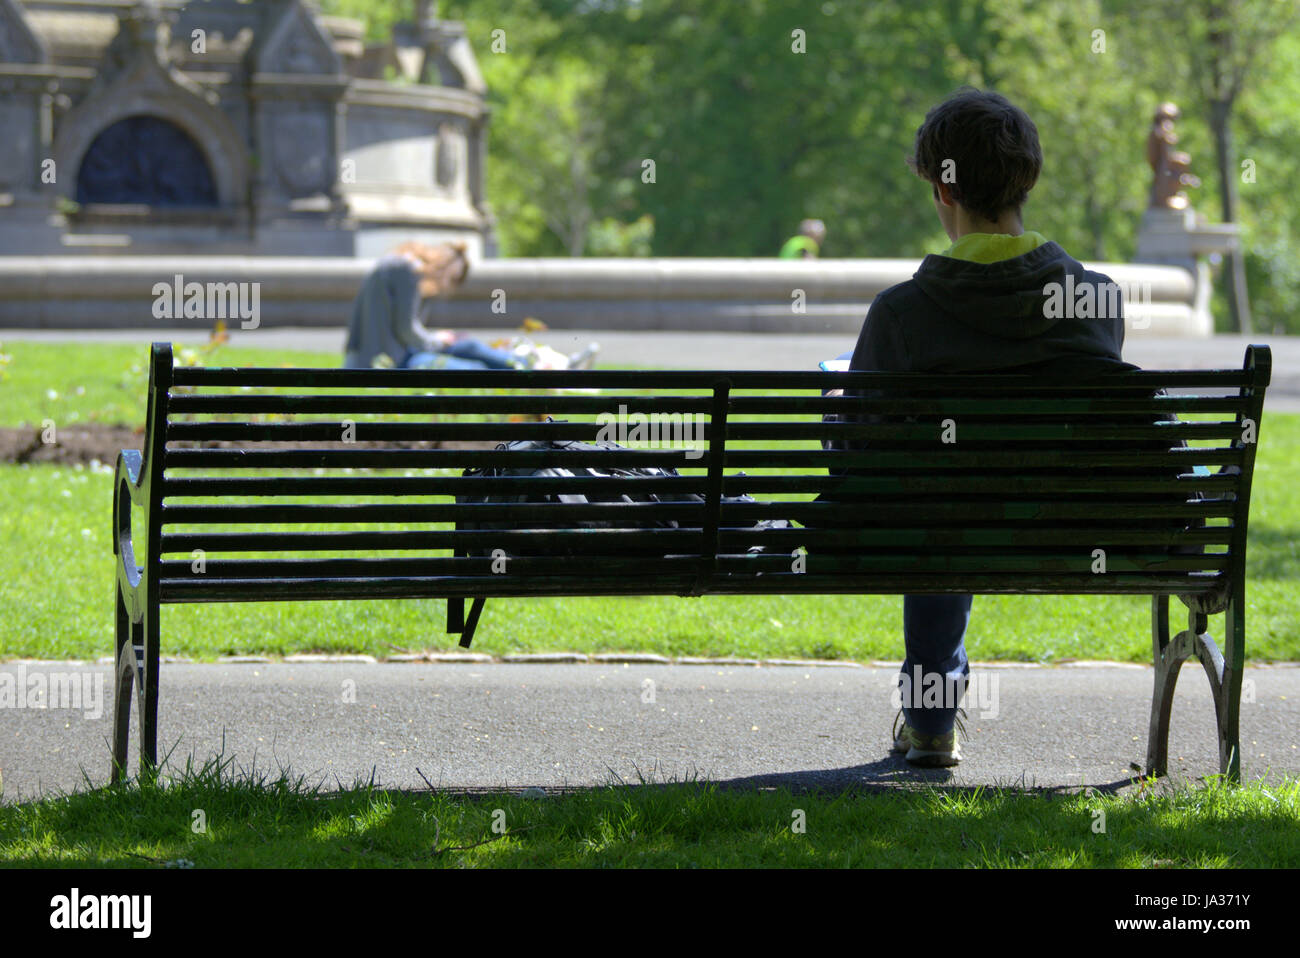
(78, 383)
(56, 572)
(255, 820)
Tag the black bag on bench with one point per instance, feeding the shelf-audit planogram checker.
(620, 493)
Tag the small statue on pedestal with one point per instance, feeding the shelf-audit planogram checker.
(1170, 165)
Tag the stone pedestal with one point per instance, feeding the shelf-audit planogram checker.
(1181, 238)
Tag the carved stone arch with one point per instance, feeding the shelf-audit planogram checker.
(146, 160)
(147, 88)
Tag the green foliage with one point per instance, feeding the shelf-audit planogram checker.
(758, 113)
(1267, 138)
(378, 15)
(610, 237)
(1078, 88)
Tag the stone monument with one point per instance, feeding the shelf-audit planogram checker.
(214, 127)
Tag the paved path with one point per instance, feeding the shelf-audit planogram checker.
(474, 726)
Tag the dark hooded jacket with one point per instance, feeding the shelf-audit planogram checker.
(960, 316)
(956, 315)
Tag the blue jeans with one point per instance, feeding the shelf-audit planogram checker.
(462, 354)
(934, 631)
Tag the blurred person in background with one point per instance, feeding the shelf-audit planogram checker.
(807, 243)
(386, 314)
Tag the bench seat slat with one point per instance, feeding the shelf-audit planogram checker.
(924, 513)
(614, 566)
(893, 538)
(199, 589)
(917, 461)
(209, 589)
(880, 485)
(911, 583)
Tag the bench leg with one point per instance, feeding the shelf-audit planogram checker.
(123, 687)
(147, 696)
(475, 610)
(1224, 674)
(1228, 698)
(1162, 698)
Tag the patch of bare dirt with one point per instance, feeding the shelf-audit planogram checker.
(84, 444)
(73, 444)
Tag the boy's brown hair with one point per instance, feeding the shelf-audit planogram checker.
(993, 148)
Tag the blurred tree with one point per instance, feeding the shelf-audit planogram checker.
(758, 113)
(1060, 61)
(378, 15)
(755, 116)
(611, 237)
(549, 125)
(1269, 167)
(1216, 49)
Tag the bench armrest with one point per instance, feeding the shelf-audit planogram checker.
(128, 490)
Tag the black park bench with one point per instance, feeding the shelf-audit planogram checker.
(988, 484)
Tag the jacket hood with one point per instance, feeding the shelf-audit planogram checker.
(1004, 298)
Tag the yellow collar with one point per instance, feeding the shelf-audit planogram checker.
(992, 247)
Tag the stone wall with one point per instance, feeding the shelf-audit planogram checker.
(750, 295)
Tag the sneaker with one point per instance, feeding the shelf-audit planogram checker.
(927, 751)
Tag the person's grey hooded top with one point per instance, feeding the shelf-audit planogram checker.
(384, 316)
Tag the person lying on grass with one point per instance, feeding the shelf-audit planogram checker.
(386, 319)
